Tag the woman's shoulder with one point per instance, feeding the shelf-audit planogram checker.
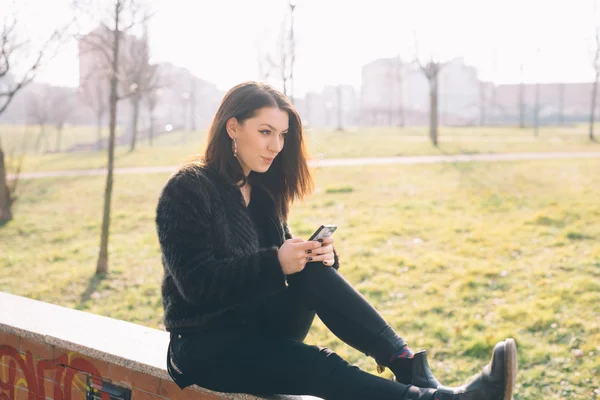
(195, 173)
(191, 179)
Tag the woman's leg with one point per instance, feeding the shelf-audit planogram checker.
(346, 312)
(251, 362)
(351, 317)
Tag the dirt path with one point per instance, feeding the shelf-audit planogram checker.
(339, 162)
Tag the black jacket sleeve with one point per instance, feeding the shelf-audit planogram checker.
(289, 235)
(183, 220)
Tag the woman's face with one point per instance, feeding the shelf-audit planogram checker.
(260, 138)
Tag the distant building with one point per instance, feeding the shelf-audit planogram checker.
(566, 102)
(335, 107)
(394, 93)
(382, 92)
(186, 101)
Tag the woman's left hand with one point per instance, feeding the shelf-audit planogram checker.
(323, 253)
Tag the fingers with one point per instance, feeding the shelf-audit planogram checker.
(317, 251)
(327, 240)
(309, 245)
(322, 250)
(320, 254)
(326, 259)
(313, 244)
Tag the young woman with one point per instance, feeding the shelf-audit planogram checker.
(240, 291)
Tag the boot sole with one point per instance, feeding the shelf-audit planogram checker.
(510, 360)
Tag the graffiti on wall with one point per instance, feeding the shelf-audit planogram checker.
(62, 375)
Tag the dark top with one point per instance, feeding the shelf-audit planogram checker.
(218, 255)
(262, 233)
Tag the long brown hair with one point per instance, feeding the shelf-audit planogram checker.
(289, 177)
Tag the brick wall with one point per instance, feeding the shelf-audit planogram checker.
(32, 370)
(53, 352)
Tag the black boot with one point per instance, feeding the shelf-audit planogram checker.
(495, 382)
(414, 371)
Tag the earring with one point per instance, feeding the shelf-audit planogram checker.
(234, 148)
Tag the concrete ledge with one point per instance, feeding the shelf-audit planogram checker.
(134, 347)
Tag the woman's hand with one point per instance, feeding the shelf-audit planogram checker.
(295, 253)
(325, 252)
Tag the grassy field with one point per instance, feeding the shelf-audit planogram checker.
(172, 148)
(455, 256)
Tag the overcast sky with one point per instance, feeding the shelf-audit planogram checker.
(217, 39)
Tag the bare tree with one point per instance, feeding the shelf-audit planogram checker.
(120, 17)
(193, 101)
(267, 66)
(340, 108)
(11, 51)
(38, 111)
(94, 94)
(8, 189)
(536, 112)
(493, 110)
(431, 70)
(482, 103)
(63, 104)
(400, 92)
(596, 66)
(291, 51)
(139, 76)
(537, 106)
(522, 100)
(280, 63)
(151, 101)
(561, 103)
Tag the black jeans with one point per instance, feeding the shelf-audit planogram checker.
(264, 352)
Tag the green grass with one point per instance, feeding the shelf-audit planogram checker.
(455, 256)
(173, 148)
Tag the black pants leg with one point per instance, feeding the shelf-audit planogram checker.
(260, 364)
(269, 357)
(345, 311)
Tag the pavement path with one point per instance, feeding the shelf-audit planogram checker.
(337, 162)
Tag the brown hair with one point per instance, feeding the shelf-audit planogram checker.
(288, 178)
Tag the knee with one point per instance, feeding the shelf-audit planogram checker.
(312, 272)
(329, 364)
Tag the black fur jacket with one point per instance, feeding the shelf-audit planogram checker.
(210, 251)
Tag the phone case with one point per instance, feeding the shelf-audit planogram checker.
(323, 231)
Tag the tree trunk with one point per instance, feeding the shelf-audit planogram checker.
(593, 108)
(47, 143)
(561, 104)
(99, 132)
(481, 104)
(135, 102)
(5, 195)
(522, 102)
(193, 109)
(59, 129)
(340, 109)
(151, 128)
(492, 114)
(102, 265)
(537, 110)
(38, 141)
(433, 114)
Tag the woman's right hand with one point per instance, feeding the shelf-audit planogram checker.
(293, 254)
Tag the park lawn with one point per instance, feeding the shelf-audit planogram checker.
(175, 147)
(455, 256)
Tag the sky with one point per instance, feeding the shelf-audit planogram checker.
(217, 40)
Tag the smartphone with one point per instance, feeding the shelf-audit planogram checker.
(323, 231)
